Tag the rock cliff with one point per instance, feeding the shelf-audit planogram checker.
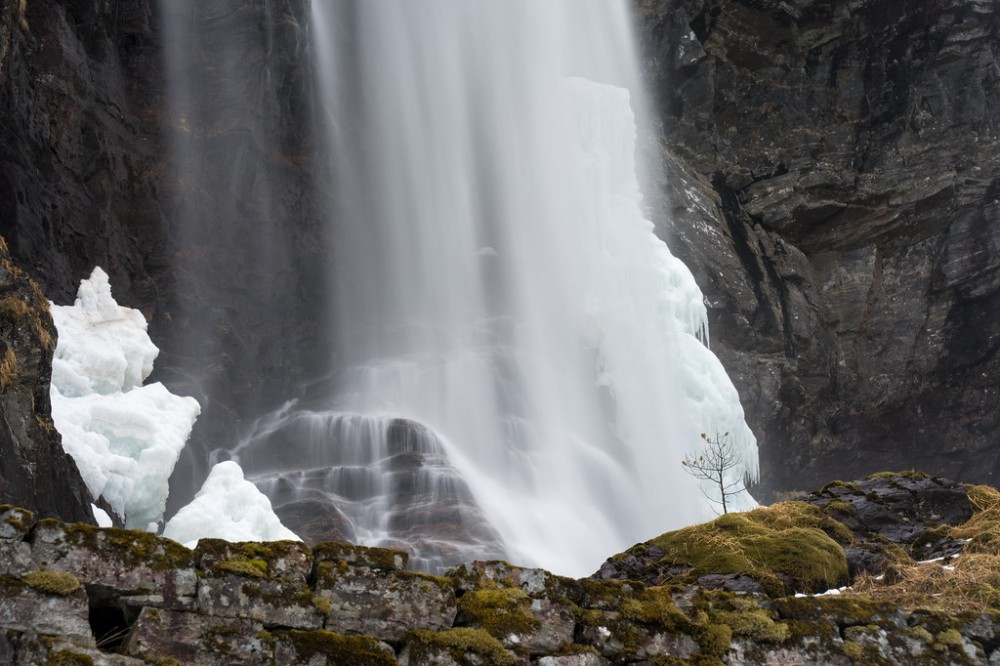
(34, 469)
(75, 594)
(86, 179)
(833, 181)
(830, 176)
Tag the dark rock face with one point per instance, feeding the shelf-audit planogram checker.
(35, 472)
(204, 248)
(909, 510)
(834, 184)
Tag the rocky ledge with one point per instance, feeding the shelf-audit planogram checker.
(743, 589)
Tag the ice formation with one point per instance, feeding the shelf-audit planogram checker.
(227, 507)
(124, 437)
(644, 309)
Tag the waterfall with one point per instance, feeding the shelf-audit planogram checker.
(498, 291)
(519, 364)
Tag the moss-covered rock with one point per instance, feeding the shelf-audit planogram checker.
(197, 639)
(460, 646)
(15, 523)
(52, 605)
(127, 562)
(246, 594)
(53, 582)
(346, 554)
(286, 560)
(761, 545)
(383, 602)
(320, 648)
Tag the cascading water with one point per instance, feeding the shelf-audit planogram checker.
(514, 345)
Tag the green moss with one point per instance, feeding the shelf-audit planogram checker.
(352, 555)
(251, 568)
(849, 610)
(854, 651)
(950, 637)
(20, 519)
(655, 606)
(755, 624)
(845, 485)
(67, 658)
(466, 647)
(337, 649)
(839, 506)
(500, 611)
(715, 639)
(783, 539)
(132, 548)
(604, 594)
(53, 582)
(322, 605)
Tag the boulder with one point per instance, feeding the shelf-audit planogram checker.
(384, 603)
(47, 605)
(116, 562)
(195, 639)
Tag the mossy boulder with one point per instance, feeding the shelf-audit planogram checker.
(901, 508)
(384, 603)
(462, 646)
(347, 554)
(197, 639)
(126, 562)
(497, 573)
(789, 547)
(244, 594)
(50, 604)
(286, 560)
(322, 648)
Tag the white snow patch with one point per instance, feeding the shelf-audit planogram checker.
(101, 516)
(227, 507)
(124, 437)
(828, 593)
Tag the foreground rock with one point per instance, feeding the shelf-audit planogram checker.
(82, 595)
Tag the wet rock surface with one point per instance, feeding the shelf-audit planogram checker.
(832, 179)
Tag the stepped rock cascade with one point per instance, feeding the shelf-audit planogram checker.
(511, 339)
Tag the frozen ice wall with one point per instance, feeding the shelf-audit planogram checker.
(124, 437)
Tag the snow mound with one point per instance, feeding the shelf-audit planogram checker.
(227, 507)
(124, 437)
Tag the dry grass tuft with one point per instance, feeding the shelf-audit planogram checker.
(970, 583)
(8, 368)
